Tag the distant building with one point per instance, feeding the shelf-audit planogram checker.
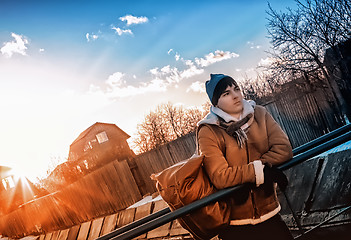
(15, 190)
(96, 146)
(7, 179)
(99, 144)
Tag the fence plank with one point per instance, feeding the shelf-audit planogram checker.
(163, 230)
(95, 228)
(142, 211)
(84, 231)
(125, 217)
(63, 234)
(55, 235)
(73, 232)
(48, 236)
(109, 224)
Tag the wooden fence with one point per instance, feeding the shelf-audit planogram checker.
(158, 159)
(304, 115)
(104, 191)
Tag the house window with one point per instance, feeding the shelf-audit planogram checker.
(102, 137)
(86, 164)
(88, 146)
(8, 183)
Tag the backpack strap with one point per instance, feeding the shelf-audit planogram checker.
(217, 133)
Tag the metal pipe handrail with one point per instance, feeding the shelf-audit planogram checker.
(321, 139)
(316, 151)
(128, 232)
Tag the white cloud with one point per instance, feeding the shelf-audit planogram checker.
(134, 20)
(191, 71)
(166, 69)
(197, 87)
(217, 56)
(41, 50)
(265, 62)
(155, 85)
(153, 71)
(174, 75)
(17, 46)
(120, 31)
(115, 80)
(116, 87)
(162, 78)
(177, 57)
(90, 37)
(170, 75)
(253, 45)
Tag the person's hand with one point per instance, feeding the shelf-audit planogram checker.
(273, 174)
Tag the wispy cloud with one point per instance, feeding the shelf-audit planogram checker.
(115, 80)
(197, 87)
(162, 78)
(173, 75)
(120, 31)
(253, 45)
(133, 20)
(16, 46)
(265, 62)
(176, 55)
(117, 87)
(91, 37)
(217, 56)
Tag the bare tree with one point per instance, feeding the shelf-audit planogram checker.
(300, 38)
(165, 124)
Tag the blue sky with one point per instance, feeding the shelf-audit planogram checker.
(65, 65)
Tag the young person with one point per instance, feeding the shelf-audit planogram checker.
(254, 144)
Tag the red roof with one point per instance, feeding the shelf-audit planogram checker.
(85, 132)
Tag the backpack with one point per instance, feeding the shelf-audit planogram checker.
(186, 182)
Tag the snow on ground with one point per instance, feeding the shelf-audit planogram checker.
(144, 201)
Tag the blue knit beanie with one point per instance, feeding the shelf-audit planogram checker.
(212, 83)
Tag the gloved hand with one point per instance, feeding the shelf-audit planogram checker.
(273, 174)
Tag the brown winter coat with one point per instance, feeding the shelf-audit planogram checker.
(266, 142)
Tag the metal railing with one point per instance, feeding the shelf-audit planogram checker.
(301, 154)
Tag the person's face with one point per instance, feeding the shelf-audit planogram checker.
(231, 102)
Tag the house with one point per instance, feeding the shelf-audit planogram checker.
(95, 147)
(15, 190)
(7, 179)
(99, 144)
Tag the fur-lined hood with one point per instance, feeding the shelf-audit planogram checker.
(213, 116)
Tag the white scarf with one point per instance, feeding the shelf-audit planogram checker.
(216, 114)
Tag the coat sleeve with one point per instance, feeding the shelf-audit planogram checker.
(280, 149)
(220, 173)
